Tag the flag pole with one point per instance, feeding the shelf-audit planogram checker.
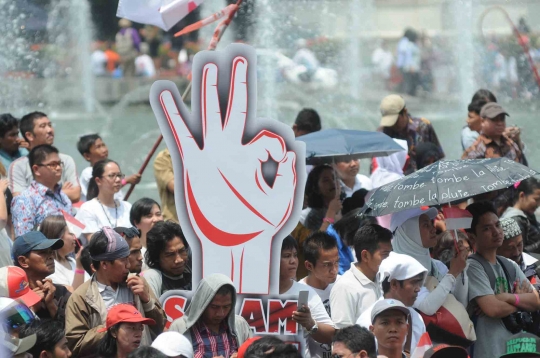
(218, 34)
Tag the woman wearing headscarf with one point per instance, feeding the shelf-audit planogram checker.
(414, 235)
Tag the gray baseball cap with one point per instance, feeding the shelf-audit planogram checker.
(385, 305)
(492, 110)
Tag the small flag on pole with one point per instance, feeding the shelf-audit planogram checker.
(75, 226)
(456, 218)
(423, 345)
(161, 13)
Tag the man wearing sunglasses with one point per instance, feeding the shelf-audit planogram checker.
(37, 130)
(354, 342)
(44, 196)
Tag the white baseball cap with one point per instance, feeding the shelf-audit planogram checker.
(173, 344)
(387, 305)
(400, 267)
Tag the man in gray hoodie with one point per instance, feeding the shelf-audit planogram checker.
(209, 322)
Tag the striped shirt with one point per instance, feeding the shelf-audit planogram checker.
(207, 344)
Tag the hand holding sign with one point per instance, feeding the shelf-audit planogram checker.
(232, 208)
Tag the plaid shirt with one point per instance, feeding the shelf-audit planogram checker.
(485, 147)
(34, 204)
(207, 344)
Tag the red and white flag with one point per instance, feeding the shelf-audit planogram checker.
(161, 13)
(423, 345)
(456, 218)
(75, 226)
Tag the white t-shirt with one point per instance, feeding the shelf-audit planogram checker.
(418, 328)
(63, 276)
(360, 182)
(99, 63)
(351, 295)
(95, 216)
(318, 313)
(84, 180)
(317, 349)
(144, 66)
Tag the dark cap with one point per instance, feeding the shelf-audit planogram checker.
(492, 110)
(446, 351)
(522, 345)
(34, 241)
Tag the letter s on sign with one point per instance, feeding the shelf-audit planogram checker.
(174, 307)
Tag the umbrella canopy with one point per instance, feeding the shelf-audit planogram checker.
(330, 145)
(446, 181)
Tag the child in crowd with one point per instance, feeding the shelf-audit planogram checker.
(93, 149)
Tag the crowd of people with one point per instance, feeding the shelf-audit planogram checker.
(376, 286)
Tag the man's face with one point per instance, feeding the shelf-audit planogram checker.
(98, 151)
(390, 328)
(488, 232)
(512, 249)
(217, 310)
(10, 141)
(49, 172)
(61, 350)
(407, 291)
(402, 121)
(474, 121)
(494, 127)
(43, 132)
(135, 255)
(173, 259)
(348, 169)
(118, 270)
(383, 251)
(41, 262)
(326, 267)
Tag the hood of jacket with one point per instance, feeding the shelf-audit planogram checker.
(511, 212)
(204, 295)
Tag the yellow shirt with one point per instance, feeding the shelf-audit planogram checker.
(163, 171)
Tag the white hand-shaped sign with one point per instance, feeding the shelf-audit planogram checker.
(227, 202)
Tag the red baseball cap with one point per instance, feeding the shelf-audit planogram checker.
(14, 284)
(125, 313)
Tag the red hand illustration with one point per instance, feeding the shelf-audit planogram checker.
(231, 208)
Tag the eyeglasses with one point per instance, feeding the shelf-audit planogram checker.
(52, 165)
(116, 176)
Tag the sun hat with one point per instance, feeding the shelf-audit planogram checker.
(173, 344)
(391, 106)
(124, 313)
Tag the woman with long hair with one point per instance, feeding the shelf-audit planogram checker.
(524, 199)
(102, 209)
(144, 213)
(323, 199)
(124, 327)
(68, 271)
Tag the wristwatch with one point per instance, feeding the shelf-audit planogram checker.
(314, 329)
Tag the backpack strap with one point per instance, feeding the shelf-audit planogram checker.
(509, 271)
(487, 268)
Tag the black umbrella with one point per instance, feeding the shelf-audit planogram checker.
(446, 181)
(331, 145)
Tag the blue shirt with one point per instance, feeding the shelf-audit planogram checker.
(345, 253)
(7, 158)
(34, 204)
